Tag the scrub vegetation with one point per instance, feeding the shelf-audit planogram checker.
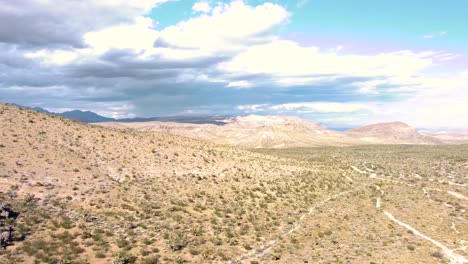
(80, 193)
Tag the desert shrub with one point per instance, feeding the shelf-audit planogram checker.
(247, 246)
(276, 255)
(121, 243)
(66, 223)
(437, 255)
(177, 241)
(100, 254)
(124, 258)
(151, 260)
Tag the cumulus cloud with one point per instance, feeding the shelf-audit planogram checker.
(203, 7)
(287, 58)
(139, 36)
(40, 24)
(110, 57)
(227, 27)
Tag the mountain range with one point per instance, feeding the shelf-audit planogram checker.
(250, 131)
(255, 131)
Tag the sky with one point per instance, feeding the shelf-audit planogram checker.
(337, 63)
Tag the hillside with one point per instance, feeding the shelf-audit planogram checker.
(251, 131)
(391, 133)
(150, 194)
(79, 193)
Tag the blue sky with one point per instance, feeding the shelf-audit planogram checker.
(390, 24)
(338, 63)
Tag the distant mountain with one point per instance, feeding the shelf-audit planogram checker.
(251, 131)
(448, 136)
(39, 109)
(391, 133)
(384, 128)
(85, 116)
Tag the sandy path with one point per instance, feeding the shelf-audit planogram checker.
(458, 195)
(267, 246)
(377, 203)
(358, 170)
(454, 258)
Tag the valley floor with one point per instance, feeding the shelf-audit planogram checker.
(407, 204)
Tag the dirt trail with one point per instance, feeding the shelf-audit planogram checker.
(267, 246)
(358, 170)
(343, 173)
(458, 195)
(377, 203)
(453, 257)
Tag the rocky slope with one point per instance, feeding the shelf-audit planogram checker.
(89, 194)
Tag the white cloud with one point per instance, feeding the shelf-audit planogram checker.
(138, 36)
(223, 45)
(320, 107)
(59, 57)
(227, 27)
(144, 5)
(202, 7)
(443, 105)
(305, 107)
(252, 108)
(46, 23)
(435, 35)
(369, 87)
(283, 58)
(240, 84)
(337, 49)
